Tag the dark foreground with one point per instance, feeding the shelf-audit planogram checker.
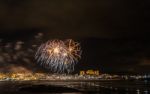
(75, 87)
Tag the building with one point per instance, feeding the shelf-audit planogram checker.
(90, 72)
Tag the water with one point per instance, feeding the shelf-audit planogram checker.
(75, 87)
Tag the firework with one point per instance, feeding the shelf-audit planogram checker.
(59, 56)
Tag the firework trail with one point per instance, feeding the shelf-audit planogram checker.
(59, 56)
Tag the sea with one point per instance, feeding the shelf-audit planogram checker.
(76, 87)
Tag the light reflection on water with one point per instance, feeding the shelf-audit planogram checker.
(115, 87)
(102, 87)
(138, 91)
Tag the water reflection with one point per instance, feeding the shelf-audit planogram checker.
(146, 92)
(100, 87)
(121, 87)
(138, 91)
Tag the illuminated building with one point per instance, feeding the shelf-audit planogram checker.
(90, 72)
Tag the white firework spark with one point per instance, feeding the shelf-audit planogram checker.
(59, 56)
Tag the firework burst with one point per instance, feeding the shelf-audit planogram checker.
(59, 56)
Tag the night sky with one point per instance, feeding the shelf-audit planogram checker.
(114, 34)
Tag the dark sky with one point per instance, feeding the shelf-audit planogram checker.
(114, 34)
